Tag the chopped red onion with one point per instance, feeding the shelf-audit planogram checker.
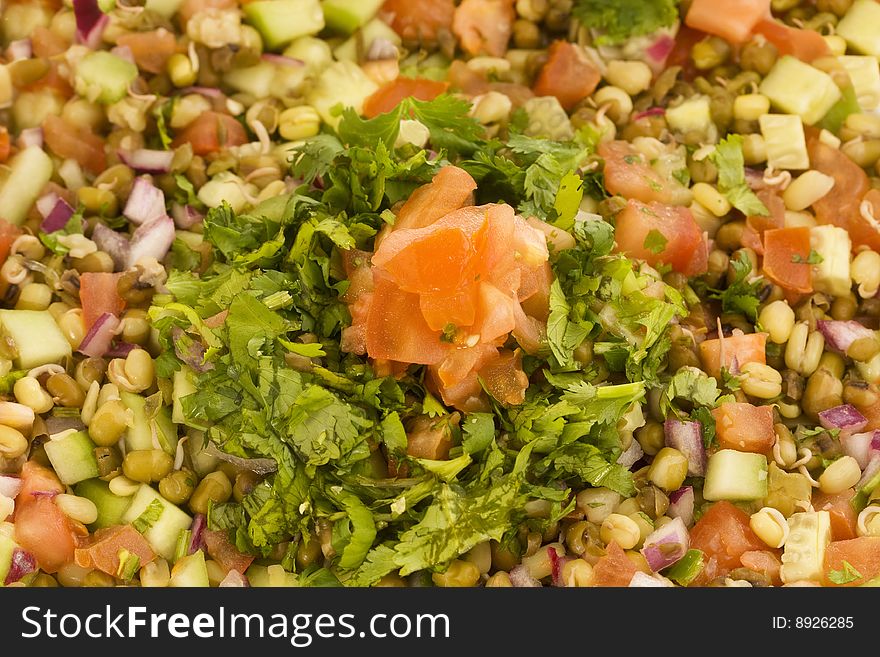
(123, 52)
(113, 243)
(858, 446)
(234, 580)
(146, 160)
(664, 546)
(520, 578)
(281, 60)
(382, 49)
(839, 335)
(845, 417)
(185, 216)
(870, 471)
(687, 438)
(58, 216)
(120, 350)
(681, 505)
(257, 466)
(207, 92)
(151, 240)
(631, 456)
(651, 111)
(10, 486)
(557, 561)
(30, 137)
(20, 49)
(642, 580)
(46, 203)
(23, 564)
(197, 541)
(660, 50)
(90, 22)
(145, 202)
(100, 335)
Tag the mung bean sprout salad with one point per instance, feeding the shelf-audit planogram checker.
(454, 293)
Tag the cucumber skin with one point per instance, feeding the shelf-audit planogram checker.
(281, 21)
(111, 508)
(346, 16)
(162, 536)
(726, 476)
(73, 458)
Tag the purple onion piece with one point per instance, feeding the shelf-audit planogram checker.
(521, 579)
(185, 216)
(58, 217)
(643, 580)
(681, 505)
(661, 48)
(100, 335)
(234, 580)
(113, 243)
(147, 160)
(845, 417)
(651, 111)
(151, 240)
(145, 203)
(10, 486)
(51, 494)
(197, 542)
(23, 564)
(859, 445)
(90, 22)
(840, 335)
(120, 349)
(664, 546)
(687, 438)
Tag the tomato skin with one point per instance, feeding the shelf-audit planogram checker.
(484, 26)
(388, 97)
(613, 569)
(451, 189)
(79, 144)
(98, 294)
(628, 174)
(225, 553)
(724, 536)
(763, 561)
(684, 248)
(568, 75)
(42, 529)
(102, 549)
(36, 478)
(742, 348)
(806, 45)
(151, 50)
(745, 427)
(419, 21)
(5, 144)
(732, 20)
(786, 251)
(862, 553)
(211, 132)
(756, 225)
(843, 517)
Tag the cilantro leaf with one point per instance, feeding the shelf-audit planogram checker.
(728, 159)
(814, 258)
(845, 575)
(741, 295)
(149, 516)
(479, 432)
(621, 20)
(655, 241)
(691, 384)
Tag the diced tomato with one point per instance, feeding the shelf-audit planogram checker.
(504, 378)
(841, 206)
(745, 427)
(862, 554)
(46, 43)
(37, 479)
(484, 26)
(392, 94)
(77, 143)
(8, 234)
(786, 251)
(724, 536)
(843, 517)
(455, 379)
(736, 349)
(753, 233)
(534, 290)
(396, 329)
(225, 553)
(766, 562)
(658, 233)
(529, 331)
(495, 315)
(211, 132)
(98, 294)
(568, 75)
(685, 41)
(806, 45)
(613, 569)
(42, 529)
(190, 8)
(420, 21)
(430, 438)
(628, 174)
(151, 50)
(5, 144)
(103, 549)
(732, 20)
(451, 189)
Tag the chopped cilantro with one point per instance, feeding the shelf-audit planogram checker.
(621, 20)
(813, 259)
(728, 159)
(149, 517)
(655, 241)
(845, 575)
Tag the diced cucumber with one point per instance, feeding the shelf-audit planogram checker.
(804, 555)
(166, 8)
(104, 77)
(787, 491)
(270, 576)
(860, 27)
(341, 84)
(281, 21)
(147, 423)
(29, 171)
(162, 535)
(316, 53)
(865, 75)
(798, 88)
(832, 274)
(693, 116)
(348, 15)
(836, 116)
(111, 508)
(265, 79)
(36, 336)
(184, 384)
(190, 572)
(258, 576)
(203, 463)
(353, 48)
(785, 141)
(735, 476)
(7, 547)
(73, 458)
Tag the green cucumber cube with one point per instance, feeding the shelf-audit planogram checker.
(184, 385)
(190, 572)
(346, 16)
(798, 88)
(36, 336)
(29, 171)
(281, 21)
(860, 27)
(166, 8)
(735, 476)
(341, 84)
(139, 435)
(104, 77)
(111, 508)
(73, 458)
(162, 536)
(785, 141)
